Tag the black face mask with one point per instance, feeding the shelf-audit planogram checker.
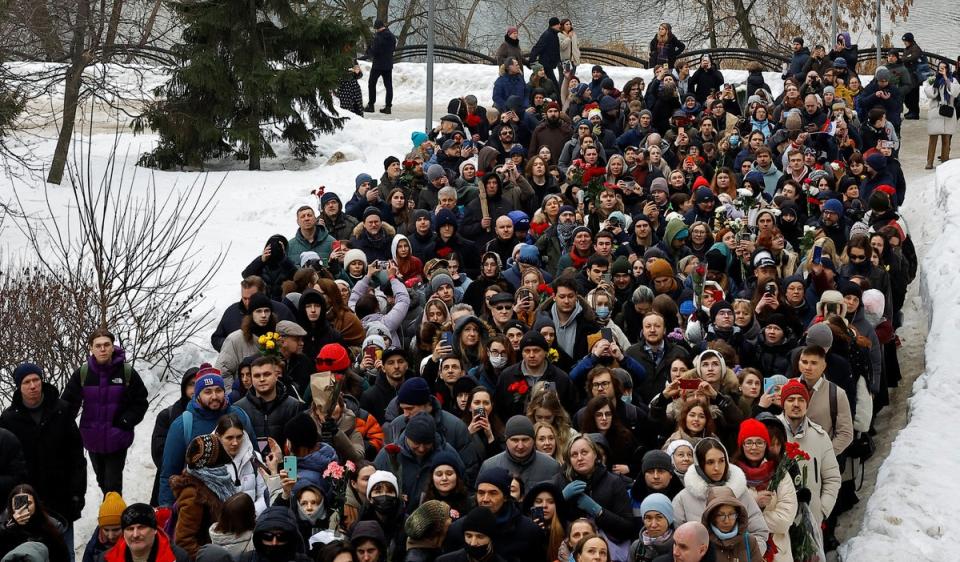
(385, 504)
(478, 552)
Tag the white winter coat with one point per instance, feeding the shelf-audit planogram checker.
(823, 472)
(689, 504)
(936, 123)
(779, 515)
(243, 469)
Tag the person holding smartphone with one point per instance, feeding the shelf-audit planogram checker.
(24, 519)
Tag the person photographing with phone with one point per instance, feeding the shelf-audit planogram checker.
(24, 519)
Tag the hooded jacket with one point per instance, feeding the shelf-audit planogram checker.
(162, 427)
(449, 428)
(691, 503)
(516, 538)
(319, 332)
(416, 473)
(276, 269)
(274, 519)
(734, 549)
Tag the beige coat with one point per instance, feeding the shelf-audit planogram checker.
(819, 411)
(779, 515)
(823, 472)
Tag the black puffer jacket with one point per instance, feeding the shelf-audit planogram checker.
(276, 519)
(268, 418)
(53, 449)
(610, 491)
(276, 269)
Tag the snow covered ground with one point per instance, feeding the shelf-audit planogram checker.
(911, 514)
(255, 205)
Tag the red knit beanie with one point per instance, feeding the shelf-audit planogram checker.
(752, 428)
(793, 386)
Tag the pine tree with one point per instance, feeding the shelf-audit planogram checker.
(253, 72)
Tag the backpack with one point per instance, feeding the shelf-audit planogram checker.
(127, 373)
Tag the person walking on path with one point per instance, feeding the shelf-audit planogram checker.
(381, 54)
(114, 401)
(547, 50)
(942, 91)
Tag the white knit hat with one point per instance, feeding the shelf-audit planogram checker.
(382, 476)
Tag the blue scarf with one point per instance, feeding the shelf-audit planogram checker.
(725, 536)
(218, 479)
(939, 83)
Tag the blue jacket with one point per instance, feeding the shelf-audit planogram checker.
(868, 100)
(95, 548)
(416, 473)
(310, 468)
(506, 86)
(202, 421)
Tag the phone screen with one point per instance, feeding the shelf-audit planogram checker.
(689, 384)
(607, 334)
(768, 386)
(817, 254)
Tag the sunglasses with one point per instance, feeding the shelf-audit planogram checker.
(503, 307)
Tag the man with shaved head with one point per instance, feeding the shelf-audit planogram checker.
(691, 543)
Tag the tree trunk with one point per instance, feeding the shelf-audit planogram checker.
(742, 14)
(79, 59)
(711, 23)
(113, 25)
(147, 28)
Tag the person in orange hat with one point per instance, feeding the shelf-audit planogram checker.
(108, 530)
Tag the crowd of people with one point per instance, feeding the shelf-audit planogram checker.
(596, 322)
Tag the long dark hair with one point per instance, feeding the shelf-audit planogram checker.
(330, 551)
(238, 515)
(40, 519)
(618, 435)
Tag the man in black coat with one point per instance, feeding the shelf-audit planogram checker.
(656, 354)
(394, 369)
(233, 316)
(13, 467)
(51, 442)
(268, 404)
(381, 54)
(547, 50)
(706, 80)
(509, 400)
(162, 426)
(516, 537)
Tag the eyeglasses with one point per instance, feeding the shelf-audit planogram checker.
(753, 443)
(603, 415)
(600, 385)
(726, 516)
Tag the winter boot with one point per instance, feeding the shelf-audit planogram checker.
(385, 110)
(369, 108)
(945, 148)
(931, 151)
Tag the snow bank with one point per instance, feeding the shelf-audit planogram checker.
(912, 512)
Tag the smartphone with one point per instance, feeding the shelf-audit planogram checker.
(690, 384)
(290, 465)
(448, 339)
(370, 352)
(607, 334)
(480, 412)
(373, 183)
(536, 513)
(817, 254)
(20, 501)
(336, 246)
(886, 144)
(769, 386)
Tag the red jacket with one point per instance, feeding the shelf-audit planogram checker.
(163, 551)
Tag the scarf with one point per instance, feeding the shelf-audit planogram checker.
(939, 83)
(758, 477)
(762, 126)
(565, 233)
(578, 262)
(218, 479)
(658, 541)
(725, 536)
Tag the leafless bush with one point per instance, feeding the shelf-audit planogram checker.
(126, 251)
(48, 324)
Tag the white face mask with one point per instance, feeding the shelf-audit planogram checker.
(498, 361)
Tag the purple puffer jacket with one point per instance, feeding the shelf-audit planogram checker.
(101, 403)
